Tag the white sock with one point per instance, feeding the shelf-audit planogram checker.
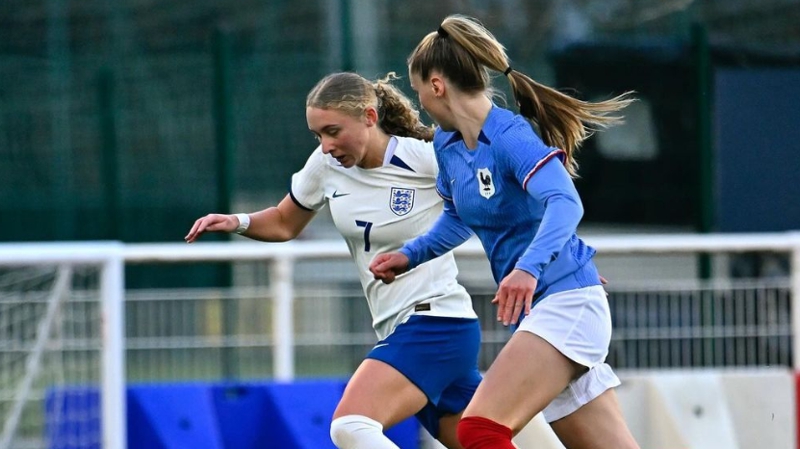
(359, 432)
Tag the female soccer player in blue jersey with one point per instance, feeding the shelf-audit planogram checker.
(513, 189)
(376, 169)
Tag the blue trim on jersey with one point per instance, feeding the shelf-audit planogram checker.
(440, 356)
(300, 205)
(522, 206)
(400, 163)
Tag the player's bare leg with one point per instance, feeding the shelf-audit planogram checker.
(383, 394)
(528, 364)
(597, 425)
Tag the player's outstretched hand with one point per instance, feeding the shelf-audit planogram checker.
(387, 266)
(514, 296)
(212, 223)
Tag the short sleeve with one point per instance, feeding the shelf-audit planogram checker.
(307, 188)
(432, 165)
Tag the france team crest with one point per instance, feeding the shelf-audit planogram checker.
(401, 201)
(485, 184)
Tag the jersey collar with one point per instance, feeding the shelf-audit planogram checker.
(490, 128)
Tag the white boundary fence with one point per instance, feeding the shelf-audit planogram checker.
(113, 257)
(282, 258)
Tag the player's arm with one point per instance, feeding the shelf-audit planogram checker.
(553, 187)
(446, 233)
(275, 224)
(280, 223)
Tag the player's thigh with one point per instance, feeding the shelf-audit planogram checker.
(379, 391)
(598, 424)
(527, 374)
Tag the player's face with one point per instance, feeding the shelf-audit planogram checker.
(342, 136)
(432, 103)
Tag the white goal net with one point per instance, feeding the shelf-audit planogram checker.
(57, 382)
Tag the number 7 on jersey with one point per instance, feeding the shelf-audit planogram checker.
(367, 225)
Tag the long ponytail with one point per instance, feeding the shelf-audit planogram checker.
(463, 50)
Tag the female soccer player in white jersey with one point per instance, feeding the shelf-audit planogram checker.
(513, 189)
(376, 169)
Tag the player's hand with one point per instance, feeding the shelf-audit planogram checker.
(514, 296)
(604, 281)
(387, 266)
(212, 223)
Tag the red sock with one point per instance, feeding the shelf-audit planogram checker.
(475, 432)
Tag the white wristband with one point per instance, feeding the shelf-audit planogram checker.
(244, 223)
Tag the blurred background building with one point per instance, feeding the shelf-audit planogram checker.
(128, 119)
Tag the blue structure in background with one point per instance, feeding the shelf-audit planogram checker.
(70, 416)
(758, 149)
(255, 415)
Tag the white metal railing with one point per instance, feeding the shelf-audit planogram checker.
(284, 255)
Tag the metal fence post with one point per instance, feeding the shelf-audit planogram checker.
(795, 300)
(112, 376)
(282, 284)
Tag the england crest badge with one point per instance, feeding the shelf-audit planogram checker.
(401, 201)
(485, 183)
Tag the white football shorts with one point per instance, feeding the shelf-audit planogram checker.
(578, 324)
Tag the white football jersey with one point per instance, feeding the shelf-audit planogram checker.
(376, 211)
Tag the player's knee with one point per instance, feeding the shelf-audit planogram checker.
(478, 433)
(355, 431)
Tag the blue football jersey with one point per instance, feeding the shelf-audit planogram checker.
(501, 191)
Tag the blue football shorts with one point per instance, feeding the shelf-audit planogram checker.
(440, 356)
